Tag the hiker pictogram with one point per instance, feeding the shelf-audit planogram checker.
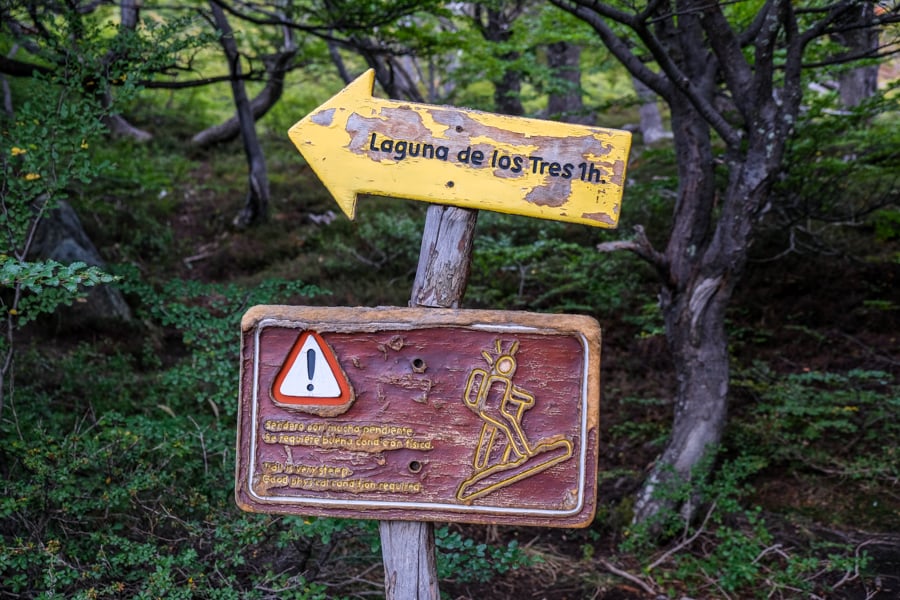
(503, 454)
(311, 375)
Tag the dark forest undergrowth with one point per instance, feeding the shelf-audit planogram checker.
(117, 444)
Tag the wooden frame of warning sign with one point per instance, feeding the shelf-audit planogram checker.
(419, 414)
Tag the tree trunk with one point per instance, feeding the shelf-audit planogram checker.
(508, 89)
(257, 205)
(693, 301)
(495, 24)
(652, 128)
(705, 259)
(860, 39)
(696, 337)
(858, 84)
(565, 102)
(408, 551)
(338, 60)
(392, 77)
(746, 84)
(8, 108)
(117, 124)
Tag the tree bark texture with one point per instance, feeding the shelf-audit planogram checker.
(408, 551)
(743, 86)
(257, 205)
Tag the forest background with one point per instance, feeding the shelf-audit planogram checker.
(150, 195)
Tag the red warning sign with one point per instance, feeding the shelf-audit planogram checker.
(311, 375)
(449, 415)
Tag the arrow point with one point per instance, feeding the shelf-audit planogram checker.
(357, 92)
(361, 87)
(310, 136)
(346, 199)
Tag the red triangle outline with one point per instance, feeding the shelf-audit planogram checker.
(333, 364)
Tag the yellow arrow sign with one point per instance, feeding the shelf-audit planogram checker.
(359, 144)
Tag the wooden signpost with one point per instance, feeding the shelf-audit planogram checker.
(419, 414)
(550, 170)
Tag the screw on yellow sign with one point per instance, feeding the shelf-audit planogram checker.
(359, 144)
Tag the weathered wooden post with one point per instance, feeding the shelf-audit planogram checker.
(408, 546)
(432, 413)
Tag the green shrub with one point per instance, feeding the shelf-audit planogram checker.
(44, 150)
(840, 175)
(526, 264)
(731, 552)
(383, 240)
(117, 470)
(461, 559)
(207, 318)
(48, 144)
(835, 423)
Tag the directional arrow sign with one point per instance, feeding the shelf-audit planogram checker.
(359, 144)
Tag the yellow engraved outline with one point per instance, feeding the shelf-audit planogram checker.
(506, 418)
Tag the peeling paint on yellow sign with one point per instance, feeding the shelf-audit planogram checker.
(359, 144)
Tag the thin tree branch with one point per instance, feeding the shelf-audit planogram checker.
(672, 81)
(594, 16)
(726, 45)
(640, 245)
(626, 575)
(685, 542)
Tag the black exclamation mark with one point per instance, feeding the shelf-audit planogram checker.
(310, 367)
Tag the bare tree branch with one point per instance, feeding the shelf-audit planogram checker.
(18, 68)
(640, 245)
(257, 204)
(593, 14)
(628, 576)
(277, 67)
(726, 44)
(672, 79)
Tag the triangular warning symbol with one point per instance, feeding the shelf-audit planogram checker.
(311, 375)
